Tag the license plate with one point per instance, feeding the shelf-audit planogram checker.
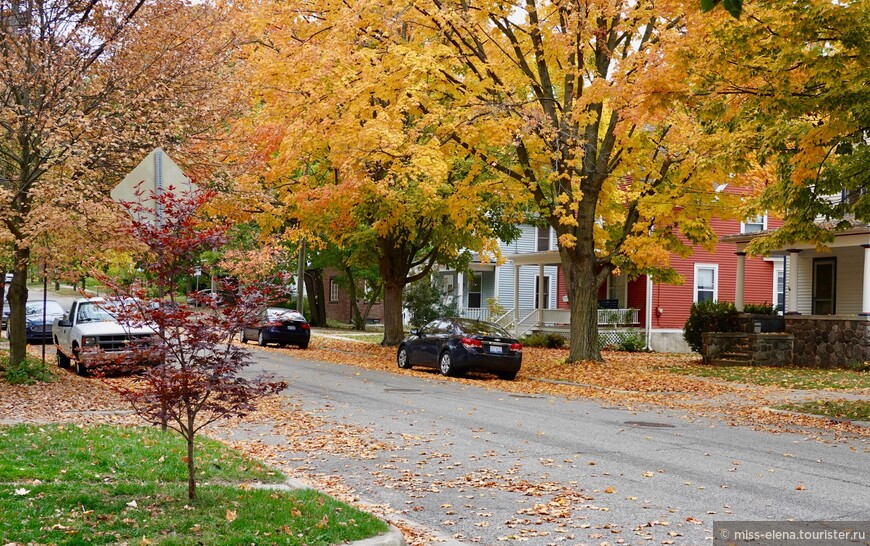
(291, 328)
(496, 349)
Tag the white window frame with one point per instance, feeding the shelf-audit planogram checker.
(763, 222)
(333, 290)
(548, 285)
(549, 239)
(623, 298)
(715, 268)
(777, 270)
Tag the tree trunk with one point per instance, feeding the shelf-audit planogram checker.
(316, 296)
(191, 468)
(394, 330)
(582, 286)
(17, 304)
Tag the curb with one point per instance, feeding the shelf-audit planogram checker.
(862, 424)
(393, 537)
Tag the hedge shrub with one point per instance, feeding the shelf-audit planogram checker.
(709, 316)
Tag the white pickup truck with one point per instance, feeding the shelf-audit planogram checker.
(90, 335)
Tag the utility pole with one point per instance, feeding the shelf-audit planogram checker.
(300, 279)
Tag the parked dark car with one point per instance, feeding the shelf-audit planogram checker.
(457, 345)
(35, 329)
(278, 325)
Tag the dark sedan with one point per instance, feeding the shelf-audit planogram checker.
(37, 330)
(277, 325)
(457, 345)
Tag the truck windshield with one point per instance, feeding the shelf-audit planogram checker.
(92, 312)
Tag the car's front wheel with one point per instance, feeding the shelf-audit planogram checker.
(261, 339)
(445, 364)
(402, 358)
(242, 337)
(80, 368)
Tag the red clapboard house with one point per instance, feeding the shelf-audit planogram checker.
(526, 293)
(662, 309)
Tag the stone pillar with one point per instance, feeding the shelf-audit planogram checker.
(741, 276)
(792, 296)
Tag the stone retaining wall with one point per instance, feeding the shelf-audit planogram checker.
(830, 341)
(765, 349)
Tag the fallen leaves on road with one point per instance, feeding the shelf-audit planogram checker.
(629, 380)
(281, 433)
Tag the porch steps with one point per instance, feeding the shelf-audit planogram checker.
(739, 355)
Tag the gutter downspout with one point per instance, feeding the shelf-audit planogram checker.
(648, 317)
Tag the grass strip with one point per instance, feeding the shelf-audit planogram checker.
(67, 484)
(790, 378)
(855, 410)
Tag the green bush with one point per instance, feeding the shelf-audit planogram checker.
(709, 316)
(424, 301)
(760, 309)
(28, 372)
(550, 340)
(631, 342)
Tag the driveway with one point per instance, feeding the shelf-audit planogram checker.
(482, 466)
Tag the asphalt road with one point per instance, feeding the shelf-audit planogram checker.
(488, 467)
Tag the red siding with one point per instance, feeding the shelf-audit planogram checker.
(637, 297)
(675, 301)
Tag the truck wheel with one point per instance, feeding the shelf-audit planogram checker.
(62, 360)
(80, 368)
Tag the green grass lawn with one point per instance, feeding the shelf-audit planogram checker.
(856, 410)
(109, 485)
(791, 378)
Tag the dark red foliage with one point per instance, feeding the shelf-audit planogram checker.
(190, 368)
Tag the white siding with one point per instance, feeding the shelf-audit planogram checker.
(850, 278)
(504, 291)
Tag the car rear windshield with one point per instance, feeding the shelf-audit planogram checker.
(283, 314)
(480, 328)
(51, 307)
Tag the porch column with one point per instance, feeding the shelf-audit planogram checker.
(792, 297)
(865, 294)
(460, 281)
(741, 276)
(540, 294)
(516, 300)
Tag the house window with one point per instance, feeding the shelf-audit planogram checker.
(546, 291)
(706, 282)
(754, 225)
(543, 239)
(616, 290)
(475, 282)
(333, 290)
(448, 286)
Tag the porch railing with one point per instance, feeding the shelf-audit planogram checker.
(475, 313)
(552, 319)
(618, 317)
